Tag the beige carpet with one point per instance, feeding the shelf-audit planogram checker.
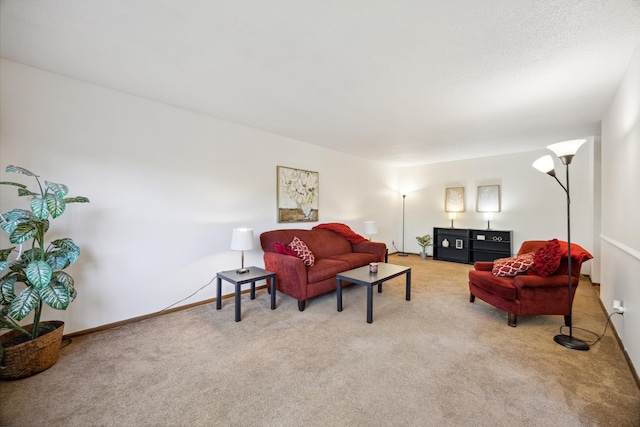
(436, 360)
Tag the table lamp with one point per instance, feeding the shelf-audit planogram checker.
(242, 240)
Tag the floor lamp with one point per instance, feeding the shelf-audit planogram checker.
(565, 152)
(403, 253)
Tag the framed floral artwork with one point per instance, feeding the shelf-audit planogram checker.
(298, 195)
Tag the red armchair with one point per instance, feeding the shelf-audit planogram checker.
(529, 294)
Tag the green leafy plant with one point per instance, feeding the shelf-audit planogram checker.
(424, 241)
(39, 267)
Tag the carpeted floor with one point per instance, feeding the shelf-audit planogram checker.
(436, 360)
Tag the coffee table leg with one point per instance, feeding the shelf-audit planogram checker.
(273, 292)
(409, 285)
(218, 292)
(369, 304)
(237, 302)
(339, 293)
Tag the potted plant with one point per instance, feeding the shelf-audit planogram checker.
(424, 241)
(27, 350)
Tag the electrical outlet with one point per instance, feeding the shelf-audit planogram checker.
(618, 307)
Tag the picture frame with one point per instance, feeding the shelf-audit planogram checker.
(298, 195)
(488, 198)
(454, 199)
(459, 244)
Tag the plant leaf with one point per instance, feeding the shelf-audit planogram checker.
(7, 289)
(66, 280)
(26, 301)
(39, 274)
(4, 255)
(79, 199)
(55, 204)
(15, 184)
(21, 170)
(70, 250)
(56, 294)
(23, 232)
(26, 192)
(60, 190)
(39, 208)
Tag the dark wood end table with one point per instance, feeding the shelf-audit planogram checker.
(252, 276)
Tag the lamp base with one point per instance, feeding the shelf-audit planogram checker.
(242, 271)
(571, 342)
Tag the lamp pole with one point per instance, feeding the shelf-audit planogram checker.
(404, 196)
(569, 341)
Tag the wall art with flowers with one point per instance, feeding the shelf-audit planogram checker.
(298, 195)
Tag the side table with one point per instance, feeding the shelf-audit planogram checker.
(252, 276)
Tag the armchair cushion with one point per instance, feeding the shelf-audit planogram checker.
(511, 266)
(546, 260)
(282, 248)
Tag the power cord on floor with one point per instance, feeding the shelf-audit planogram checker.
(591, 332)
(67, 340)
(186, 298)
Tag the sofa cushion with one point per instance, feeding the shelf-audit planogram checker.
(500, 286)
(509, 267)
(355, 259)
(300, 248)
(325, 268)
(546, 260)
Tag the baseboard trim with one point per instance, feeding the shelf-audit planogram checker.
(156, 314)
(620, 343)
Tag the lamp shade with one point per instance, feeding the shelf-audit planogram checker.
(544, 164)
(566, 148)
(242, 239)
(370, 227)
(452, 215)
(488, 216)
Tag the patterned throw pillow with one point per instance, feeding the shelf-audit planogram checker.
(303, 251)
(546, 259)
(509, 267)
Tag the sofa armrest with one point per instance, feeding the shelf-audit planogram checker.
(531, 281)
(483, 265)
(291, 274)
(378, 249)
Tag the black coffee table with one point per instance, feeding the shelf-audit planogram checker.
(362, 276)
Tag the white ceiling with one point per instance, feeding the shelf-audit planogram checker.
(400, 81)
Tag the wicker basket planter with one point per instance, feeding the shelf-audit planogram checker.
(31, 357)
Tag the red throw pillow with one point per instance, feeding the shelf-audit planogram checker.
(303, 252)
(509, 267)
(546, 259)
(283, 249)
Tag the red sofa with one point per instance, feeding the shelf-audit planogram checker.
(333, 253)
(529, 294)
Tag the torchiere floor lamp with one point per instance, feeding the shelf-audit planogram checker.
(565, 152)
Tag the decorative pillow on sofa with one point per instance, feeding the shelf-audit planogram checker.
(546, 260)
(283, 249)
(303, 251)
(509, 267)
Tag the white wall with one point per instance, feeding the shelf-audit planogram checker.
(166, 185)
(620, 275)
(533, 205)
